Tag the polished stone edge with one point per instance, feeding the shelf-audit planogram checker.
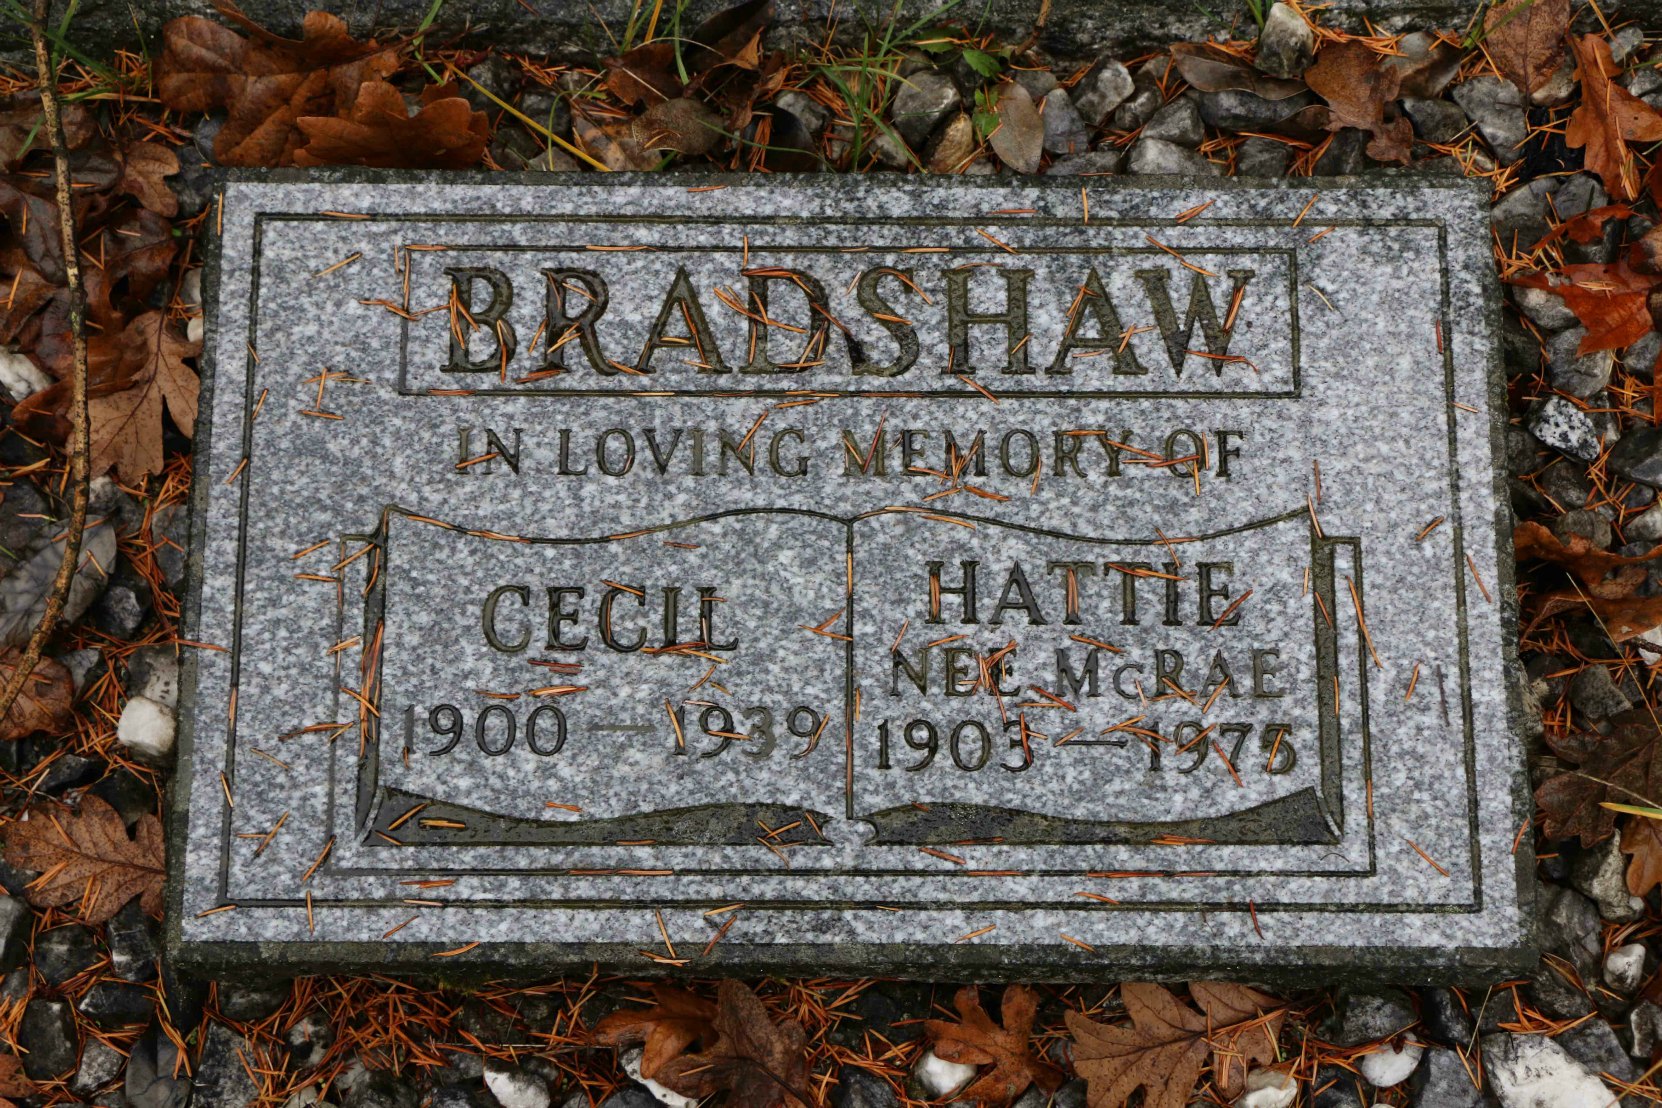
(1308, 967)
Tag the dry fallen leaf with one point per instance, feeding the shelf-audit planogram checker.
(1019, 138)
(1607, 118)
(85, 858)
(759, 1062)
(1604, 574)
(44, 704)
(977, 1041)
(676, 1020)
(1210, 69)
(614, 143)
(13, 1081)
(379, 131)
(651, 72)
(1358, 85)
(1525, 39)
(266, 85)
(145, 365)
(1165, 1049)
(143, 165)
(684, 125)
(1624, 766)
(1611, 301)
(1642, 838)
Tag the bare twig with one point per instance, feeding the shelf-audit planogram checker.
(1032, 38)
(78, 446)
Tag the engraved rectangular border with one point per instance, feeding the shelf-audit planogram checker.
(180, 818)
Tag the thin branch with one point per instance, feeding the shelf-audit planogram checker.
(78, 446)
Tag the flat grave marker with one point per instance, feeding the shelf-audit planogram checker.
(1064, 578)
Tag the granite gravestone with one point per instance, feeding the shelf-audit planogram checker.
(851, 574)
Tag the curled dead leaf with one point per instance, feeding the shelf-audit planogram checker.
(1624, 766)
(1212, 69)
(1359, 89)
(143, 167)
(1642, 839)
(267, 85)
(663, 69)
(45, 702)
(145, 368)
(684, 125)
(676, 1020)
(1604, 574)
(1167, 1046)
(759, 1061)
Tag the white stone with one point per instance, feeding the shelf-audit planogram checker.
(1268, 1088)
(20, 376)
(190, 289)
(1624, 966)
(939, 1078)
(1390, 1065)
(1532, 1071)
(516, 1089)
(631, 1063)
(147, 727)
(193, 329)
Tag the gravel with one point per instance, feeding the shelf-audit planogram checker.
(922, 102)
(1102, 90)
(1497, 107)
(1152, 155)
(1178, 122)
(1286, 45)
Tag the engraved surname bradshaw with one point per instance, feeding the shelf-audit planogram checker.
(1063, 321)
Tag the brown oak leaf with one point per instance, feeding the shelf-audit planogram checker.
(676, 1021)
(977, 1041)
(1642, 838)
(45, 701)
(1358, 85)
(1611, 301)
(86, 858)
(446, 133)
(760, 1062)
(1624, 766)
(142, 368)
(1525, 39)
(268, 84)
(1165, 1049)
(1607, 118)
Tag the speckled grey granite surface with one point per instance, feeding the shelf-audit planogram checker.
(1240, 576)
